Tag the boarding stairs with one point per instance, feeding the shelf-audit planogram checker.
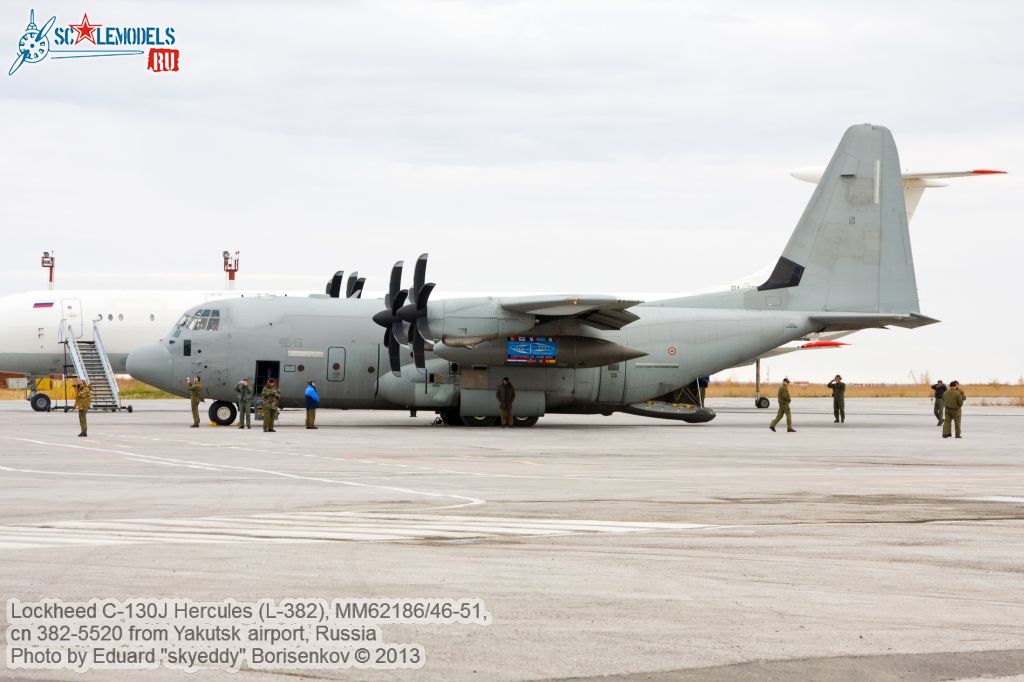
(91, 364)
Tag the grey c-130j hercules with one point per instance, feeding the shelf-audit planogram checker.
(847, 266)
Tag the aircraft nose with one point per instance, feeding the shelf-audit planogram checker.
(151, 365)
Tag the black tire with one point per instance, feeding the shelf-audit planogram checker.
(129, 409)
(223, 413)
(762, 403)
(524, 421)
(479, 421)
(450, 418)
(40, 402)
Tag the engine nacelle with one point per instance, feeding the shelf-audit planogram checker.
(469, 321)
(558, 351)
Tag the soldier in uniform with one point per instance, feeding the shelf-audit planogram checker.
(953, 400)
(506, 395)
(195, 393)
(270, 396)
(838, 398)
(83, 400)
(784, 401)
(940, 389)
(244, 392)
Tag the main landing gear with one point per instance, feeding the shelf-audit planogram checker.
(759, 400)
(223, 413)
(452, 418)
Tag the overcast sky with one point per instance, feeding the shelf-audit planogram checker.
(565, 147)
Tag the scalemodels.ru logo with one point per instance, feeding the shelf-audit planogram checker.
(88, 40)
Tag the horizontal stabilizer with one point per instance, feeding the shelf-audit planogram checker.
(814, 173)
(835, 322)
(914, 182)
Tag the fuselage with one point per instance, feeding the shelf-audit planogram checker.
(30, 323)
(335, 343)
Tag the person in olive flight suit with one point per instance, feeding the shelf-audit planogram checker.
(244, 392)
(506, 395)
(953, 400)
(784, 401)
(195, 394)
(270, 396)
(83, 401)
(838, 398)
(940, 389)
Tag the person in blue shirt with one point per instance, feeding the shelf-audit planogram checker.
(312, 401)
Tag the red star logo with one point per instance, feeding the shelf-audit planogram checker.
(85, 30)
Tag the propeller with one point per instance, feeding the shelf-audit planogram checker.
(388, 318)
(334, 285)
(20, 59)
(354, 286)
(415, 313)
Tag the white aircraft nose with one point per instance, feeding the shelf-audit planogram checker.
(151, 365)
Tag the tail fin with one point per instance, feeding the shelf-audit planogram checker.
(851, 249)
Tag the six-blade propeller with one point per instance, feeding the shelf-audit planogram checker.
(396, 313)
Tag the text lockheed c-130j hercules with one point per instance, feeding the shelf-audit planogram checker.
(847, 266)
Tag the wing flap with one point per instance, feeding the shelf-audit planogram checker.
(601, 312)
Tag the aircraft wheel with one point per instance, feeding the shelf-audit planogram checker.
(450, 418)
(129, 409)
(524, 421)
(479, 421)
(223, 413)
(762, 403)
(41, 402)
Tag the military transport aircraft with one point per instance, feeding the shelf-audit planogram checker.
(43, 331)
(847, 266)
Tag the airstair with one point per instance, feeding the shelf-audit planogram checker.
(91, 364)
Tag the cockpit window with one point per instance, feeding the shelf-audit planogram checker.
(206, 319)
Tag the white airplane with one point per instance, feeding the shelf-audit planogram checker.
(39, 326)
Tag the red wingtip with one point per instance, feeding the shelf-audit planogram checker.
(983, 171)
(824, 344)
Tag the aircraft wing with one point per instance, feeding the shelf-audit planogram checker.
(601, 312)
(835, 322)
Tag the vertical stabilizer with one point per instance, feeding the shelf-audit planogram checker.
(851, 249)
